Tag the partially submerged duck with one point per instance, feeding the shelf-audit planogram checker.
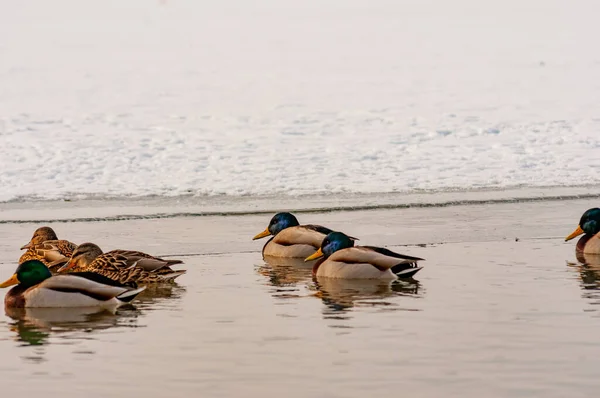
(341, 259)
(589, 225)
(290, 239)
(45, 246)
(122, 265)
(37, 287)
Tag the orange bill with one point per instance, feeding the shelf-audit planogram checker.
(13, 280)
(315, 255)
(575, 234)
(67, 266)
(262, 234)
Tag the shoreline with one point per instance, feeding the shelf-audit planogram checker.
(120, 209)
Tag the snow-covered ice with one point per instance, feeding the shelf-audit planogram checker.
(280, 97)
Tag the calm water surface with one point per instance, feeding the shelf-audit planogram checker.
(488, 316)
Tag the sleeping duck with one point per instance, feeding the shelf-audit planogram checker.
(290, 239)
(122, 265)
(589, 224)
(47, 248)
(37, 287)
(341, 259)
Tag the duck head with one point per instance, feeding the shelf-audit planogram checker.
(28, 274)
(40, 235)
(278, 223)
(333, 242)
(82, 256)
(589, 224)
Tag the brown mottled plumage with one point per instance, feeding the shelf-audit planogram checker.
(47, 248)
(122, 265)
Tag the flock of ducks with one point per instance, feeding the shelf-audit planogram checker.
(338, 257)
(58, 273)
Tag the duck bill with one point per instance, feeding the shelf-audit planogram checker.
(67, 266)
(315, 255)
(575, 234)
(262, 234)
(27, 246)
(13, 280)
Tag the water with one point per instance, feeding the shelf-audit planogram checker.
(502, 308)
(461, 132)
(275, 98)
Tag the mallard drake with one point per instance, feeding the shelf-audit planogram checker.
(589, 224)
(37, 287)
(122, 265)
(47, 248)
(341, 259)
(290, 239)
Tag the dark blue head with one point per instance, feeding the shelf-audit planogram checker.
(279, 222)
(333, 242)
(588, 224)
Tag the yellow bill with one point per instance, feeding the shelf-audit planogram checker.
(315, 255)
(13, 280)
(575, 234)
(262, 234)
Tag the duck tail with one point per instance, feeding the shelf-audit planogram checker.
(405, 270)
(130, 294)
(171, 275)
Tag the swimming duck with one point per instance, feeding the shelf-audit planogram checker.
(290, 239)
(37, 287)
(47, 248)
(122, 265)
(341, 259)
(589, 224)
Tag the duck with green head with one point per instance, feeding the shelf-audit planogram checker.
(341, 259)
(289, 238)
(37, 287)
(589, 225)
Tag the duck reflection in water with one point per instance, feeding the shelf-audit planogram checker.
(589, 273)
(159, 293)
(342, 295)
(35, 326)
(289, 275)
(285, 274)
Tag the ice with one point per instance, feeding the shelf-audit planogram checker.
(178, 97)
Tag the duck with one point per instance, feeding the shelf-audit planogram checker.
(45, 246)
(38, 288)
(122, 265)
(589, 224)
(289, 238)
(339, 258)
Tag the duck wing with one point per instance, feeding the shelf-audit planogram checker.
(389, 253)
(109, 261)
(125, 269)
(145, 261)
(90, 284)
(302, 235)
(378, 257)
(51, 252)
(318, 228)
